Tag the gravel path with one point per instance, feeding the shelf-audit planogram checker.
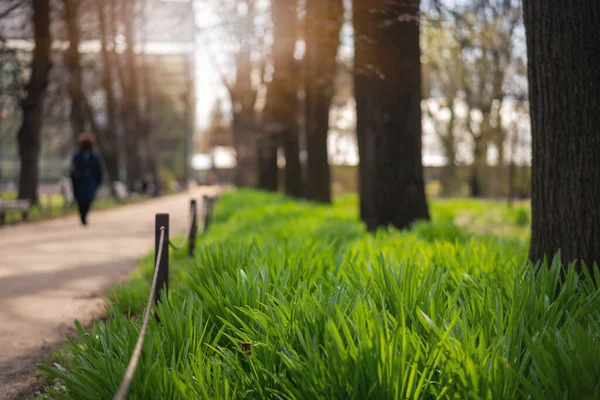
(54, 272)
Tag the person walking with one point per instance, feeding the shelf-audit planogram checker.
(86, 174)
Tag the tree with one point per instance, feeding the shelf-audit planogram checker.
(82, 114)
(33, 102)
(78, 112)
(564, 91)
(243, 98)
(388, 91)
(110, 140)
(324, 22)
(240, 40)
(283, 90)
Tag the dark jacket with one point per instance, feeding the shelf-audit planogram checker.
(86, 175)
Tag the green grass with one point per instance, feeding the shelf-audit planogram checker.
(53, 206)
(447, 310)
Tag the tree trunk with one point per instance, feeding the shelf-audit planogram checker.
(268, 176)
(133, 143)
(322, 42)
(111, 158)
(564, 85)
(390, 117)
(243, 138)
(511, 183)
(283, 91)
(243, 100)
(293, 168)
(362, 94)
(477, 166)
(78, 110)
(150, 148)
(33, 103)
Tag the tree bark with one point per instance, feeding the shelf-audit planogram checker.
(564, 85)
(284, 90)
(322, 42)
(73, 61)
(33, 103)
(390, 115)
(362, 94)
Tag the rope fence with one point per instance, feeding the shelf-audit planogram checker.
(160, 281)
(137, 352)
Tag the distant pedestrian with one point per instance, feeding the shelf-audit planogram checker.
(86, 174)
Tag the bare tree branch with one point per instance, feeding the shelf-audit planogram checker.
(9, 10)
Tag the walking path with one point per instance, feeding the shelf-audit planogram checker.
(52, 273)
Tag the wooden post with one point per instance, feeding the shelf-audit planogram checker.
(205, 200)
(193, 229)
(162, 220)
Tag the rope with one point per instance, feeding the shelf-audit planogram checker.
(187, 238)
(135, 357)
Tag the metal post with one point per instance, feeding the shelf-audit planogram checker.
(193, 229)
(162, 220)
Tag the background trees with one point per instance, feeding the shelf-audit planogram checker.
(97, 84)
(282, 63)
(564, 83)
(471, 47)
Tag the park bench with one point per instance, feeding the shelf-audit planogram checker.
(21, 206)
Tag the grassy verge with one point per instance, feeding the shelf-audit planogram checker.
(54, 207)
(289, 300)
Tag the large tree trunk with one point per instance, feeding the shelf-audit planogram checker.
(564, 85)
(325, 19)
(33, 103)
(362, 94)
(78, 109)
(390, 117)
(284, 90)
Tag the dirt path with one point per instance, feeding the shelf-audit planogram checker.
(52, 273)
